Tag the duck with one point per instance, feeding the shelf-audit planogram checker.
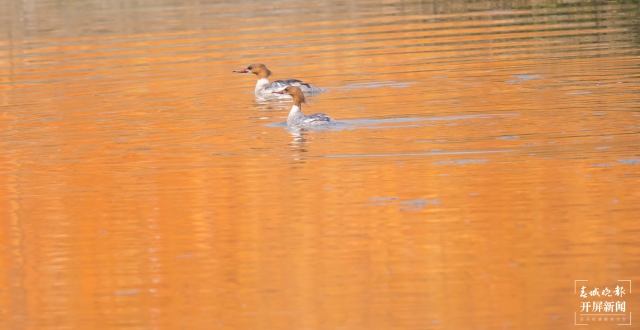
(296, 117)
(265, 88)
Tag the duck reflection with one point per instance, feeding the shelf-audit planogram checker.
(299, 140)
(275, 103)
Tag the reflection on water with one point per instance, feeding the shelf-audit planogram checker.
(486, 156)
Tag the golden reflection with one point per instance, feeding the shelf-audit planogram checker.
(487, 157)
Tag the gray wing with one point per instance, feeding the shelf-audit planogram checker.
(317, 118)
(280, 84)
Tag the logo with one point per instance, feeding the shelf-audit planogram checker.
(600, 304)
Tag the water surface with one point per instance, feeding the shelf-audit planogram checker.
(488, 157)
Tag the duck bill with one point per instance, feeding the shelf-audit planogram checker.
(241, 71)
(280, 92)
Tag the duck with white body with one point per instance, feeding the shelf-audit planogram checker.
(266, 89)
(296, 117)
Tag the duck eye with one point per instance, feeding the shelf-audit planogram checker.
(250, 67)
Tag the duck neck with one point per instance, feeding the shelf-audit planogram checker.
(261, 84)
(296, 109)
(297, 100)
(263, 74)
(295, 113)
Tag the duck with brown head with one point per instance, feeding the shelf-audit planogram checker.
(264, 88)
(296, 117)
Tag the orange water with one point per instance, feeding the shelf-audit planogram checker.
(487, 157)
